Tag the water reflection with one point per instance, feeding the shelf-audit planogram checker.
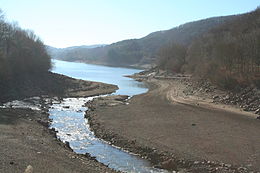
(111, 75)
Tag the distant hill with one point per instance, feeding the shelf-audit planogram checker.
(58, 53)
(142, 52)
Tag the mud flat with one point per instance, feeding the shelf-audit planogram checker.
(176, 133)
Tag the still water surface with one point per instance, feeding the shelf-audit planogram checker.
(98, 73)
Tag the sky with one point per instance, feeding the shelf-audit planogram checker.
(64, 23)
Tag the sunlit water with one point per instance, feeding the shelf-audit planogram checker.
(98, 73)
(71, 126)
(68, 116)
(68, 120)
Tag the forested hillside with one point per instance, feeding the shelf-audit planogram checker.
(21, 52)
(222, 49)
(228, 54)
(58, 53)
(141, 52)
(24, 63)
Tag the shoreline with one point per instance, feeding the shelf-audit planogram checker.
(113, 128)
(176, 95)
(28, 143)
(52, 85)
(205, 98)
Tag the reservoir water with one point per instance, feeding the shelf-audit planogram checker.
(71, 126)
(98, 73)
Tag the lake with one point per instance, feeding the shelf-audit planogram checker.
(98, 73)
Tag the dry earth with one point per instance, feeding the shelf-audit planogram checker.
(26, 143)
(190, 133)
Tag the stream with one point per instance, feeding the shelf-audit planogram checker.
(67, 116)
(71, 126)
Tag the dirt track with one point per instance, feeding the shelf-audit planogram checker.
(191, 132)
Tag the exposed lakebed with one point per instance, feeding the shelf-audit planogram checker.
(71, 126)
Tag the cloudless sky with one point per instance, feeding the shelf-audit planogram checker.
(63, 23)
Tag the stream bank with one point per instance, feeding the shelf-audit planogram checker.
(175, 135)
(51, 84)
(26, 141)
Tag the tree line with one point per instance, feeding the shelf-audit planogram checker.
(228, 55)
(21, 52)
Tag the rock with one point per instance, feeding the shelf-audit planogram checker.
(29, 169)
(246, 108)
(121, 97)
(67, 144)
(227, 97)
(196, 162)
(169, 165)
(215, 97)
(257, 111)
(66, 107)
(90, 157)
(228, 165)
(249, 165)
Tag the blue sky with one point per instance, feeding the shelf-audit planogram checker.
(63, 23)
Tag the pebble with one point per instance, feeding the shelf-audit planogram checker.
(29, 169)
(228, 165)
(196, 162)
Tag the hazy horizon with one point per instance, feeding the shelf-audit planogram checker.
(73, 23)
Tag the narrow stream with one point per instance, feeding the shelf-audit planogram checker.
(71, 126)
(67, 116)
(68, 119)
